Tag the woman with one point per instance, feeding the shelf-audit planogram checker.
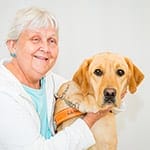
(27, 88)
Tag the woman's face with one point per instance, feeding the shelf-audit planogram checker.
(36, 51)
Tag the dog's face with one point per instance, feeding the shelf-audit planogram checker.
(107, 76)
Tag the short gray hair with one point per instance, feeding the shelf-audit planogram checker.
(32, 17)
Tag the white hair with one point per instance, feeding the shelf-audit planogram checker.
(32, 17)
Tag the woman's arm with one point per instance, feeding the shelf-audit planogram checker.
(20, 129)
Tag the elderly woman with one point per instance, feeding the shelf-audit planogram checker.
(27, 87)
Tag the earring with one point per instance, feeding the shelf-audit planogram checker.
(13, 55)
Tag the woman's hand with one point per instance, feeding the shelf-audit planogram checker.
(91, 118)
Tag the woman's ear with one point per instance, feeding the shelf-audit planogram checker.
(136, 76)
(81, 76)
(11, 46)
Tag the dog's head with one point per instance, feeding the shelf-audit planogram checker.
(107, 76)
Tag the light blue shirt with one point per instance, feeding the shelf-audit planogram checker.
(39, 99)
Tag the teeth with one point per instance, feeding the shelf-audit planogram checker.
(42, 58)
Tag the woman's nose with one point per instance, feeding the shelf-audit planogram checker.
(45, 47)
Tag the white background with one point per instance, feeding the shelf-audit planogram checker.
(92, 26)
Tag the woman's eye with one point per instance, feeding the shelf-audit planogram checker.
(53, 41)
(120, 72)
(98, 72)
(35, 40)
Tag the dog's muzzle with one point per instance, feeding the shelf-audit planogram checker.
(109, 95)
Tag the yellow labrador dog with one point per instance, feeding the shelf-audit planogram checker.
(98, 83)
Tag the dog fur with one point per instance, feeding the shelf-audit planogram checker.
(100, 82)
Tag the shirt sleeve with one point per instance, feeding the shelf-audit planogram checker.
(78, 134)
(20, 130)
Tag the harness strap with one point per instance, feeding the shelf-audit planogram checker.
(66, 114)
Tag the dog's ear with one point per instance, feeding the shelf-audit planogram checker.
(81, 76)
(136, 76)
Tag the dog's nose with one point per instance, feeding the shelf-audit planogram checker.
(109, 95)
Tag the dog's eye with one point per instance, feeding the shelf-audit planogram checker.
(98, 72)
(120, 72)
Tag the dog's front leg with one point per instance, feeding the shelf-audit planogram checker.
(104, 131)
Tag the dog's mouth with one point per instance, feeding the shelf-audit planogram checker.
(109, 102)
